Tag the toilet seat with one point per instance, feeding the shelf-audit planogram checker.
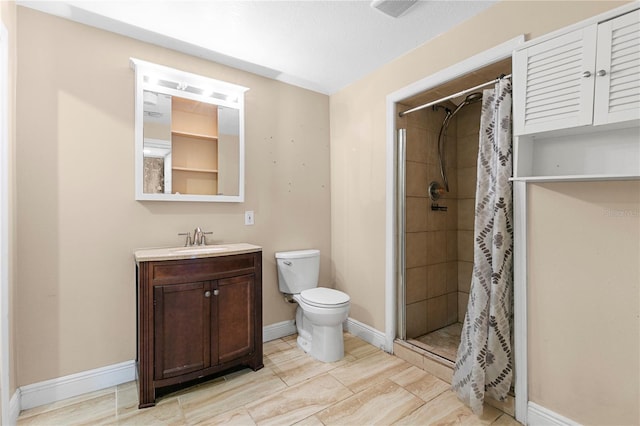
(323, 297)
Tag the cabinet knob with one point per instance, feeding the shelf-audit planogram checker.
(216, 292)
(602, 73)
(586, 74)
(207, 293)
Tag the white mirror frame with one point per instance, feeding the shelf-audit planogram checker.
(234, 98)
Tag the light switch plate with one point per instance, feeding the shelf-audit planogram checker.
(248, 217)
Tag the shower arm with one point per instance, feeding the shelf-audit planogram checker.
(442, 136)
(441, 152)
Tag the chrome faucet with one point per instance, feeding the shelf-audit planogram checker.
(198, 238)
(187, 242)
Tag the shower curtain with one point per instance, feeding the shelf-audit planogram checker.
(484, 363)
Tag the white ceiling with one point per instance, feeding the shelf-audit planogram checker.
(319, 45)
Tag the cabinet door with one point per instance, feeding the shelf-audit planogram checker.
(617, 90)
(236, 317)
(182, 333)
(553, 83)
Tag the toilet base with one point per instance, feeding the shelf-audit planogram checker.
(327, 343)
(303, 344)
(324, 343)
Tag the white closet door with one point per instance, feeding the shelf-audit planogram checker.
(617, 89)
(553, 83)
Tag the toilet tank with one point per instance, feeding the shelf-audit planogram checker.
(298, 270)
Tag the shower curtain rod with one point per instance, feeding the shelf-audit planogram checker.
(455, 95)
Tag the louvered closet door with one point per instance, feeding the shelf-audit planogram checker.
(617, 91)
(552, 89)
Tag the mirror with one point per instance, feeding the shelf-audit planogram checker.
(189, 140)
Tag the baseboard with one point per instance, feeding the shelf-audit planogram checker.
(278, 330)
(53, 390)
(367, 333)
(65, 387)
(14, 407)
(538, 415)
(358, 329)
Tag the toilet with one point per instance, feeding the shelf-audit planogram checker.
(321, 311)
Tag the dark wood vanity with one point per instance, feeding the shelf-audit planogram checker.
(196, 317)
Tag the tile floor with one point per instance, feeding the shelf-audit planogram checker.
(367, 387)
(443, 342)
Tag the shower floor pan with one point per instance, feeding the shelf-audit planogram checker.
(443, 342)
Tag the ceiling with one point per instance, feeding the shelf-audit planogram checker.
(316, 44)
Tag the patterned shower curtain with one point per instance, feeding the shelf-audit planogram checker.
(484, 364)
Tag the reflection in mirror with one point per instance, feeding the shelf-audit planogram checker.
(194, 134)
(191, 139)
(190, 147)
(157, 143)
(228, 150)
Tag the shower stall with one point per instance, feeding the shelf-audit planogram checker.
(436, 184)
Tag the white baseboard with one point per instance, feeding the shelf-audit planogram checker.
(278, 330)
(53, 390)
(538, 415)
(358, 329)
(14, 407)
(367, 333)
(72, 385)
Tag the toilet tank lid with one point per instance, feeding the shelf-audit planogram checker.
(297, 254)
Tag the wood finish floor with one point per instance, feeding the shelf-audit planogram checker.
(367, 387)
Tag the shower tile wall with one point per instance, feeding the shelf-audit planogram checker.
(431, 236)
(439, 245)
(468, 126)
(153, 175)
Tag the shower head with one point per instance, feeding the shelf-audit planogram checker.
(474, 97)
(470, 99)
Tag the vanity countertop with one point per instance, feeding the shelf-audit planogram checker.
(194, 252)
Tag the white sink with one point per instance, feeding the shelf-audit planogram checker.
(199, 250)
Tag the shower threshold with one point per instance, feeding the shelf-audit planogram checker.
(443, 342)
(429, 359)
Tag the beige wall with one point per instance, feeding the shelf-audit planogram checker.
(78, 221)
(358, 152)
(9, 19)
(584, 300)
(358, 137)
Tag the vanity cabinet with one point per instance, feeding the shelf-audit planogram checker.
(589, 76)
(182, 329)
(196, 318)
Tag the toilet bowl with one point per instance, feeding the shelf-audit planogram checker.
(321, 311)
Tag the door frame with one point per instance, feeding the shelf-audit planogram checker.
(4, 226)
(495, 54)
